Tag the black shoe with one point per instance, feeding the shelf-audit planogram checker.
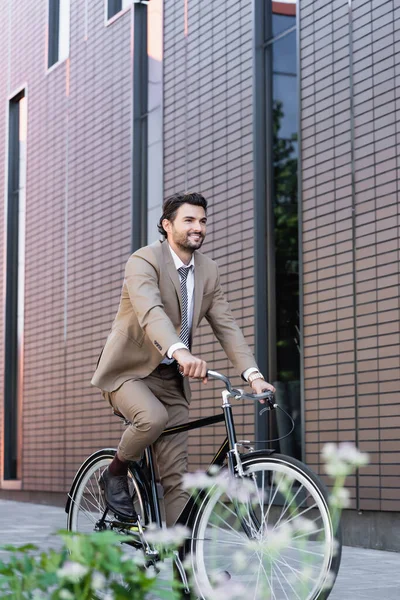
(117, 496)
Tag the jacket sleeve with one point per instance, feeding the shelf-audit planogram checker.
(227, 331)
(144, 293)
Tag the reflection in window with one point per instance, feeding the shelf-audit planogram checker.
(284, 158)
(281, 23)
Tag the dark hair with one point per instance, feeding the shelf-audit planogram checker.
(174, 202)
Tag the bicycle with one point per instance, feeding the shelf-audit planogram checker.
(286, 492)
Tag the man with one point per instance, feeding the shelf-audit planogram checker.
(144, 368)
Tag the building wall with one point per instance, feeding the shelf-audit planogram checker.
(77, 228)
(350, 62)
(208, 148)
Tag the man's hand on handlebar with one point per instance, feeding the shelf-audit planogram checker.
(259, 386)
(191, 366)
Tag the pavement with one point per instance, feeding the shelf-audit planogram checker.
(364, 574)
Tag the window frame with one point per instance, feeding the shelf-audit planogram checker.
(110, 20)
(57, 38)
(12, 480)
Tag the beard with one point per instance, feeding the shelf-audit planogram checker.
(186, 242)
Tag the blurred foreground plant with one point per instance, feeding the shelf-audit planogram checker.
(88, 567)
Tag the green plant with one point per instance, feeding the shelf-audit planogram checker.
(88, 567)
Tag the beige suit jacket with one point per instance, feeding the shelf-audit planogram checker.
(149, 318)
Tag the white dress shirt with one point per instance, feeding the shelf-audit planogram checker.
(190, 292)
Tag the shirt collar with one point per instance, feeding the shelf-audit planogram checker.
(177, 261)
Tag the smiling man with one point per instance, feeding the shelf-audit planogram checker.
(143, 371)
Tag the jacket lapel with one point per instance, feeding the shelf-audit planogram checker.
(172, 272)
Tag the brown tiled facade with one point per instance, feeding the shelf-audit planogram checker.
(77, 227)
(78, 221)
(350, 61)
(208, 147)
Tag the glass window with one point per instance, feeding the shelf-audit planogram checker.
(15, 272)
(58, 31)
(284, 158)
(281, 23)
(115, 6)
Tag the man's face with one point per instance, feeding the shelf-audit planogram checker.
(188, 229)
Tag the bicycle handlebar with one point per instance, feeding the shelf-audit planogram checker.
(238, 393)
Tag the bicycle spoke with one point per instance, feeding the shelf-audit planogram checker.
(88, 515)
(288, 506)
(97, 505)
(238, 535)
(290, 585)
(90, 503)
(270, 582)
(305, 551)
(257, 581)
(301, 535)
(265, 520)
(306, 510)
(294, 571)
(228, 543)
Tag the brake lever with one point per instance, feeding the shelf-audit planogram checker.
(271, 406)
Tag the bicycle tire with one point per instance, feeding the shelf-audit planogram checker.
(86, 505)
(320, 551)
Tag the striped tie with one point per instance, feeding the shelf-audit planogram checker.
(185, 333)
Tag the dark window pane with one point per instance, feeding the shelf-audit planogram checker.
(114, 7)
(285, 94)
(284, 54)
(54, 32)
(285, 106)
(281, 23)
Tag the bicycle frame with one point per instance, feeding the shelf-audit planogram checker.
(228, 448)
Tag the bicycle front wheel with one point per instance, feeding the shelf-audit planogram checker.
(276, 540)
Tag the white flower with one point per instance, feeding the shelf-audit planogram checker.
(138, 558)
(336, 547)
(352, 455)
(151, 573)
(214, 469)
(306, 573)
(303, 525)
(72, 571)
(199, 481)
(228, 589)
(329, 581)
(172, 536)
(284, 482)
(341, 498)
(329, 452)
(224, 588)
(341, 460)
(66, 595)
(98, 581)
(240, 560)
(274, 540)
(337, 469)
(244, 490)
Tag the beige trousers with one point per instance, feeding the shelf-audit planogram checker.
(151, 404)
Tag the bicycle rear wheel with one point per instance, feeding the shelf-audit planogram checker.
(86, 506)
(279, 544)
